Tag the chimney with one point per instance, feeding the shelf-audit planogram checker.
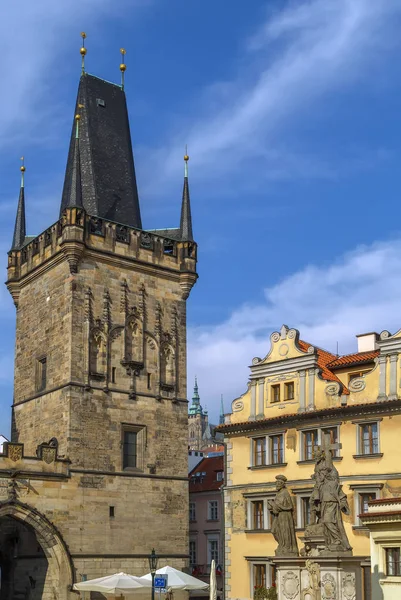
(367, 341)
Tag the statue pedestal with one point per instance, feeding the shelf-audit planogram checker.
(339, 578)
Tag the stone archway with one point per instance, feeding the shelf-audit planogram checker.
(35, 561)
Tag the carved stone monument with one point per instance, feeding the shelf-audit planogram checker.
(283, 526)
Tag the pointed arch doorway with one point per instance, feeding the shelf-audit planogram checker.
(34, 560)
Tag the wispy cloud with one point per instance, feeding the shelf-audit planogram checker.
(297, 56)
(33, 35)
(327, 303)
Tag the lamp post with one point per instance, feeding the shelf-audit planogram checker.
(153, 568)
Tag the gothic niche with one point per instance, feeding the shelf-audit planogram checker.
(133, 358)
(167, 366)
(97, 353)
(116, 370)
(152, 363)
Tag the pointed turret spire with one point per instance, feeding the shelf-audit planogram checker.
(195, 397)
(186, 219)
(221, 419)
(74, 194)
(20, 227)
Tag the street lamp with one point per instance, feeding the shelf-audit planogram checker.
(153, 568)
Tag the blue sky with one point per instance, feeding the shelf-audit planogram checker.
(291, 113)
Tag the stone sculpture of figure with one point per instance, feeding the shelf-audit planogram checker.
(330, 501)
(283, 526)
(313, 590)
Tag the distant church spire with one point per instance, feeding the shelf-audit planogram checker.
(221, 418)
(20, 226)
(195, 397)
(74, 195)
(186, 219)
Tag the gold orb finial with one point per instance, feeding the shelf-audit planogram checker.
(83, 51)
(186, 157)
(22, 167)
(123, 66)
(77, 117)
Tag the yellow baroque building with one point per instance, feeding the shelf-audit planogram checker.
(299, 397)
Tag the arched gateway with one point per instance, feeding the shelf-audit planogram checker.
(34, 559)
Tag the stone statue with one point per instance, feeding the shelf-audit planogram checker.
(313, 590)
(329, 501)
(283, 526)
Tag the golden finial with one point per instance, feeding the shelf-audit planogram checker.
(22, 169)
(123, 66)
(83, 51)
(186, 158)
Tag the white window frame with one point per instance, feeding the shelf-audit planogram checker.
(359, 445)
(266, 513)
(192, 505)
(193, 541)
(369, 489)
(209, 510)
(396, 543)
(213, 538)
(268, 575)
(267, 437)
(300, 519)
(319, 439)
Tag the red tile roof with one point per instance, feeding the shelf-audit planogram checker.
(208, 482)
(354, 359)
(324, 359)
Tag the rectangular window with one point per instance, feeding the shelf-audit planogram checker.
(257, 514)
(276, 449)
(393, 565)
(356, 375)
(305, 511)
(192, 552)
(213, 510)
(130, 449)
(213, 551)
(219, 476)
(368, 438)
(192, 511)
(275, 393)
(310, 442)
(259, 451)
(149, 381)
(259, 576)
(111, 512)
(41, 374)
(289, 391)
(365, 497)
(113, 374)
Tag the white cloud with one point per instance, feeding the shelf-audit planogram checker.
(33, 35)
(297, 57)
(327, 303)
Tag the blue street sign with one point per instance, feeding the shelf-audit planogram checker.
(161, 581)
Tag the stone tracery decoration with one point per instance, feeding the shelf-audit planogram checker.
(329, 587)
(348, 585)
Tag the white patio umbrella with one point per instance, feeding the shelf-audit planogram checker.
(119, 584)
(213, 581)
(177, 580)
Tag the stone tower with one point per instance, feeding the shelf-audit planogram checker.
(100, 408)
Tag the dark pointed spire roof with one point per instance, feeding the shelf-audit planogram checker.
(186, 219)
(108, 181)
(20, 226)
(74, 191)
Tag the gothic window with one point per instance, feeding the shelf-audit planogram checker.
(168, 365)
(117, 372)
